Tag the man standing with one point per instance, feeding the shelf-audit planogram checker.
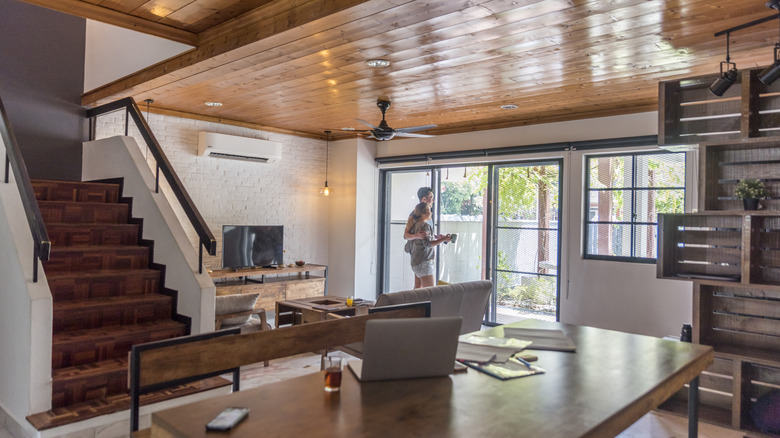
(424, 194)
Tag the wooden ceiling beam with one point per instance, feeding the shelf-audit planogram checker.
(94, 12)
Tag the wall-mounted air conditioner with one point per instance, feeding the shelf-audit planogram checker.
(233, 147)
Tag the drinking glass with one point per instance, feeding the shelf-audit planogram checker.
(332, 373)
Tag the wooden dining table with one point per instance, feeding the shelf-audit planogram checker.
(611, 381)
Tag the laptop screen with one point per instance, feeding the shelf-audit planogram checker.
(408, 348)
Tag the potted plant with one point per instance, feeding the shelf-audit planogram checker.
(750, 191)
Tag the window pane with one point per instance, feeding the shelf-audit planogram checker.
(633, 189)
(610, 172)
(651, 202)
(527, 250)
(607, 205)
(645, 241)
(461, 202)
(526, 295)
(609, 240)
(660, 170)
(528, 193)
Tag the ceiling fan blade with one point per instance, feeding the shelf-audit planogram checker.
(354, 130)
(411, 134)
(415, 128)
(367, 124)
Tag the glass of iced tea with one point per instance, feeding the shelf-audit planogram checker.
(332, 373)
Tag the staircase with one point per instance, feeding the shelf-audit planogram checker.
(107, 296)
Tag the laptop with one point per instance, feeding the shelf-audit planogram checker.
(407, 348)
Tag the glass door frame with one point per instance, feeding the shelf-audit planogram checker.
(492, 218)
(384, 221)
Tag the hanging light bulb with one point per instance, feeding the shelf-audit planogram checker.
(325, 191)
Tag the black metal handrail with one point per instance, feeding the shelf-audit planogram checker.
(207, 239)
(14, 161)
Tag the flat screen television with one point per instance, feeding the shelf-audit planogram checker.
(249, 246)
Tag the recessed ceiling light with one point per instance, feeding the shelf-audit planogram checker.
(378, 63)
(510, 106)
(347, 129)
(213, 103)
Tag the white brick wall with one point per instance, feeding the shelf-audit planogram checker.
(229, 192)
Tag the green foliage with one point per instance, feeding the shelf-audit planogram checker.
(536, 294)
(462, 198)
(519, 189)
(750, 189)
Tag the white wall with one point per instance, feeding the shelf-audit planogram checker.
(578, 130)
(353, 215)
(113, 52)
(25, 347)
(612, 295)
(117, 157)
(229, 192)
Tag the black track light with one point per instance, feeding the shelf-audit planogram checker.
(728, 75)
(769, 74)
(725, 80)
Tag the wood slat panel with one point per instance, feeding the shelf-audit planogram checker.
(746, 306)
(744, 340)
(746, 323)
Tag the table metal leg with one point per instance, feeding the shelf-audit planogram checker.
(693, 408)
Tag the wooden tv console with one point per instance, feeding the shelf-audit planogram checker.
(273, 284)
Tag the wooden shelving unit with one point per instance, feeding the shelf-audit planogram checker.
(731, 256)
(273, 284)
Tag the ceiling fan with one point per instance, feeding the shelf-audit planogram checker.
(384, 132)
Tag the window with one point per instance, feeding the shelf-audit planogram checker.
(623, 196)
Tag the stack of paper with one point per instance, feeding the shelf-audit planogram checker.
(541, 339)
(496, 356)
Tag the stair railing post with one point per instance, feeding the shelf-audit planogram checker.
(35, 263)
(92, 128)
(7, 166)
(127, 121)
(157, 180)
(200, 256)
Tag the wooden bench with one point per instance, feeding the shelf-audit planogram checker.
(164, 364)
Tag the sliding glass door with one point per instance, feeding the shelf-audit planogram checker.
(525, 242)
(506, 220)
(461, 203)
(400, 199)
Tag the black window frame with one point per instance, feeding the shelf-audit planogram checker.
(587, 190)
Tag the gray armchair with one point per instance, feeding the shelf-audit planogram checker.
(468, 300)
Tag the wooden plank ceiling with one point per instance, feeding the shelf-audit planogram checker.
(298, 66)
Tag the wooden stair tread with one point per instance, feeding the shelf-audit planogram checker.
(119, 205)
(76, 191)
(117, 403)
(81, 225)
(98, 248)
(59, 339)
(68, 305)
(103, 273)
(59, 182)
(91, 369)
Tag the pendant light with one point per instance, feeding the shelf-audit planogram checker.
(325, 191)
